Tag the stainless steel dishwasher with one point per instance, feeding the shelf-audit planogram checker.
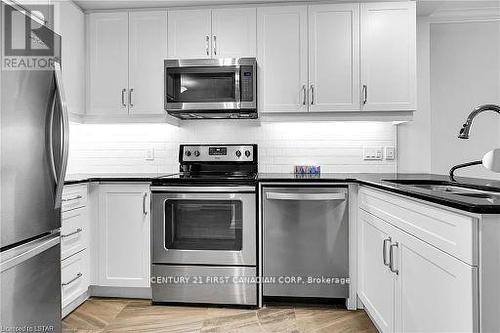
(305, 246)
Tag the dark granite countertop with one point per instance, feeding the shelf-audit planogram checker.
(376, 180)
(110, 177)
(379, 180)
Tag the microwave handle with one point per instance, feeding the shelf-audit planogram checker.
(237, 77)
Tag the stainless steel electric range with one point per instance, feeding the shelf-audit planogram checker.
(204, 227)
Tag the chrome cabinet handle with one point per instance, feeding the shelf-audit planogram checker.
(215, 45)
(123, 97)
(77, 231)
(365, 93)
(391, 258)
(304, 97)
(79, 275)
(144, 204)
(207, 47)
(312, 94)
(384, 250)
(72, 198)
(130, 97)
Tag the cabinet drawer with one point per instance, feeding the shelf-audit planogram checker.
(73, 232)
(74, 197)
(450, 232)
(74, 277)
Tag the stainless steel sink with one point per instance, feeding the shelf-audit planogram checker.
(491, 195)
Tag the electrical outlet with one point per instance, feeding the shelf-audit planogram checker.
(149, 154)
(390, 153)
(373, 153)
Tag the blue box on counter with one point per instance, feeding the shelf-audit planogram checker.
(307, 169)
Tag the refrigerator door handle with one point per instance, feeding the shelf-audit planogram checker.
(61, 99)
(51, 139)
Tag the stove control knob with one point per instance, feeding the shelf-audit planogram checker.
(238, 153)
(247, 153)
(196, 153)
(188, 153)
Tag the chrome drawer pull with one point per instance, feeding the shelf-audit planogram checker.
(384, 251)
(73, 198)
(79, 275)
(78, 230)
(391, 259)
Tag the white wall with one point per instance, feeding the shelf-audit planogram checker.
(465, 72)
(336, 146)
(458, 67)
(414, 138)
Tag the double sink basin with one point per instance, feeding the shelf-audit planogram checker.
(470, 191)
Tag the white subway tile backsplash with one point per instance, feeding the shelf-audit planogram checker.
(336, 146)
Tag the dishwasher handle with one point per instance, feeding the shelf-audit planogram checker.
(306, 196)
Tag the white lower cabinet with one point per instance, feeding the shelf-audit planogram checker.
(376, 281)
(74, 278)
(409, 285)
(123, 235)
(75, 261)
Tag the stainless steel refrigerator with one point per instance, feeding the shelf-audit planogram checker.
(34, 149)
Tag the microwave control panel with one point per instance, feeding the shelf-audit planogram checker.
(246, 78)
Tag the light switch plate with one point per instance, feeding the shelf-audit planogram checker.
(390, 153)
(149, 154)
(373, 153)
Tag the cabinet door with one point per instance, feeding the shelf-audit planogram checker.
(189, 34)
(388, 56)
(108, 63)
(376, 281)
(234, 32)
(124, 259)
(282, 58)
(435, 292)
(334, 57)
(71, 24)
(148, 50)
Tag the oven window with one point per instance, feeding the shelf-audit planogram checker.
(203, 225)
(185, 86)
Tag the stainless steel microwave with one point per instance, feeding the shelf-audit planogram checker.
(211, 88)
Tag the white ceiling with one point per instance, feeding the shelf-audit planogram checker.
(424, 7)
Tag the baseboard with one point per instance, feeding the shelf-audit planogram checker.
(120, 292)
(76, 303)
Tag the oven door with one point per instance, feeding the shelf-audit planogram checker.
(211, 228)
(195, 86)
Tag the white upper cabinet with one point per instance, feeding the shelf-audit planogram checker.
(70, 24)
(334, 57)
(189, 34)
(147, 51)
(218, 33)
(108, 63)
(126, 54)
(388, 56)
(234, 32)
(282, 58)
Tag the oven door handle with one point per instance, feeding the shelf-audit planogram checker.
(203, 189)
